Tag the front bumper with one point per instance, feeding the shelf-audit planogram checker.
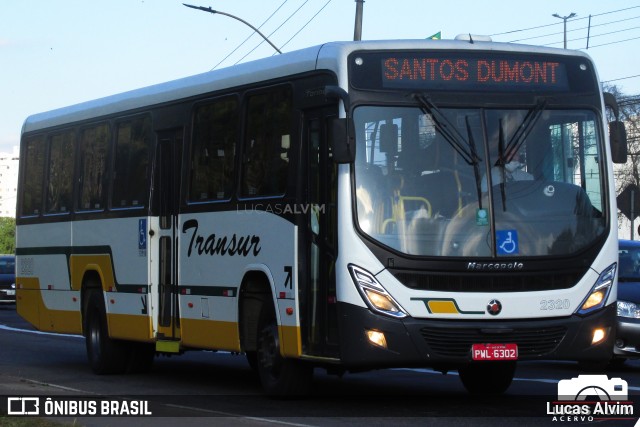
(427, 342)
(627, 338)
(7, 296)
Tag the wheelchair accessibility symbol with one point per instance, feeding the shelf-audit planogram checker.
(142, 234)
(507, 241)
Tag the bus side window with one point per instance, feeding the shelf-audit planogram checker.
(33, 176)
(131, 168)
(60, 174)
(215, 130)
(267, 143)
(94, 150)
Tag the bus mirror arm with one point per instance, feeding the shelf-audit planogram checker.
(617, 131)
(332, 92)
(341, 131)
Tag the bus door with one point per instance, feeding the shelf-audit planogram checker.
(167, 196)
(318, 303)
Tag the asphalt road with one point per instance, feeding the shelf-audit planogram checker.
(209, 388)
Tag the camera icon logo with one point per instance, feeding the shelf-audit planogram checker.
(593, 388)
(23, 406)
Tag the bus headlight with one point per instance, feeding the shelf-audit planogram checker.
(376, 297)
(600, 291)
(628, 309)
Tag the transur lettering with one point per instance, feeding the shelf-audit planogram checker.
(220, 244)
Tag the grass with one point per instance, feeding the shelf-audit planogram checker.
(7, 421)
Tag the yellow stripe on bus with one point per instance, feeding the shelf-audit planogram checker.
(211, 334)
(443, 307)
(291, 341)
(130, 327)
(80, 264)
(32, 308)
(220, 335)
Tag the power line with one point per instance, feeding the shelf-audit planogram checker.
(558, 23)
(274, 31)
(619, 41)
(574, 30)
(250, 35)
(308, 22)
(621, 78)
(597, 35)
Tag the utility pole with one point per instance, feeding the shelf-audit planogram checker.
(208, 9)
(564, 18)
(357, 32)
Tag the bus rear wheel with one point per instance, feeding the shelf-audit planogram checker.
(487, 377)
(106, 355)
(279, 376)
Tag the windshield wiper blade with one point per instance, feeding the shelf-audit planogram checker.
(522, 132)
(476, 168)
(448, 130)
(503, 172)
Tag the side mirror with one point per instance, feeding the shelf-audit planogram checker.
(342, 140)
(617, 131)
(341, 131)
(618, 141)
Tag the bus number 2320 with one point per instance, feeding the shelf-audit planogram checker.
(554, 304)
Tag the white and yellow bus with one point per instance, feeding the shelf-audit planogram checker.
(351, 206)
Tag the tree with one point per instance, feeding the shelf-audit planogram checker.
(7, 236)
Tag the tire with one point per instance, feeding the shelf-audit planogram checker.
(280, 377)
(487, 377)
(252, 359)
(106, 355)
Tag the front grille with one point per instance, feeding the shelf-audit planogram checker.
(504, 282)
(455, 342)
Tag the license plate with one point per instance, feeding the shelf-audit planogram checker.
(11, 292)
(494, 351)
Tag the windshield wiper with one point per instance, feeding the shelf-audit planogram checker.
(465, 148)
(476, 169)
(502, 164)
(521, 133)
(448, 130)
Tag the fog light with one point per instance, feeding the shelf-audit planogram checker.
(620, 343)
(598, 335)
(376, 338)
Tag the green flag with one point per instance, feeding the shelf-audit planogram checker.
(436, 36)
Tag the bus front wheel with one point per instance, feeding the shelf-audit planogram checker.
(279, 376)
(487, 377)
(106, 355)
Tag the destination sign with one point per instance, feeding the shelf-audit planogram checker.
(468, 71)
(473, 73)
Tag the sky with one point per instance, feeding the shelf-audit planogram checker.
(55, 53)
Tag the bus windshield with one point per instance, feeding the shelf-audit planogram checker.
(479, 182)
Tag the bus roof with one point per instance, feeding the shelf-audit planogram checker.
(326, 56)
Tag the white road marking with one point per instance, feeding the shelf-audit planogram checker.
(538, 380)
(9, 328)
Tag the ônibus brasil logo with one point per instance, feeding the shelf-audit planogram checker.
(591, 398)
